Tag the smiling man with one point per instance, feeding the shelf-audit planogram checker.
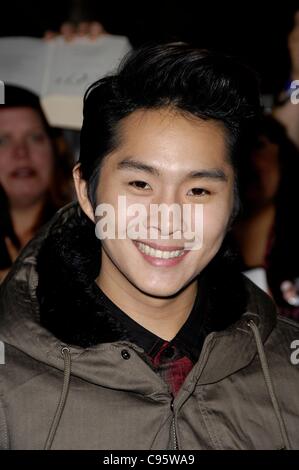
(147, 341)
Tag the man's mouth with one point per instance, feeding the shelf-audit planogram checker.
(159, 253)
(164, 254)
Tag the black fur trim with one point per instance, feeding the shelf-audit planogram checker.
(70, 302)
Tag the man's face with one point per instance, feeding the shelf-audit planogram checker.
(164, 157)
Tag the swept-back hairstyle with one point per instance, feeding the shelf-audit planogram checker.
(195, 82)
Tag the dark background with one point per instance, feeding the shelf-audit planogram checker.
(254, 31)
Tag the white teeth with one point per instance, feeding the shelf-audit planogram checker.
(148, 250)
(152, 252)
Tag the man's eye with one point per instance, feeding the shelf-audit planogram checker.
(140, 185)
(198, 192)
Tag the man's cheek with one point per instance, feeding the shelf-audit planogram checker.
(214, 224)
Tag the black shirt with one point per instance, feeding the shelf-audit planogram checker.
(188, 341)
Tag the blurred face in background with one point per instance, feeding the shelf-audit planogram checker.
(265, 178)
(26, 156)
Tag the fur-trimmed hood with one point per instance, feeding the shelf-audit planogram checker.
(72, 306)
(52, 286)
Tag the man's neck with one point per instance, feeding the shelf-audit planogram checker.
(162, 316)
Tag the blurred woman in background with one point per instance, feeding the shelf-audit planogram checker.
(268, 231)
(35, 172)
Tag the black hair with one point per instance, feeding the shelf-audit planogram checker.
(19, 97)
(195, 82)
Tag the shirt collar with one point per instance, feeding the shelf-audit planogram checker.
(188, 340)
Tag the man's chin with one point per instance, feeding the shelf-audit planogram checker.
(161, 292)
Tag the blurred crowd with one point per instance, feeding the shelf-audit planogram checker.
(35, 180)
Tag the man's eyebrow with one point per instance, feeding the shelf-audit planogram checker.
(136, 165)
(213, 173)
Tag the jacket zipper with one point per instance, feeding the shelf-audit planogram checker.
(174, 439)
(173, 430)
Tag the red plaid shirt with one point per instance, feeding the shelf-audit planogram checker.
(172, 365)
(171, 360)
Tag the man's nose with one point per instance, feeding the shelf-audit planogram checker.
(167, 213)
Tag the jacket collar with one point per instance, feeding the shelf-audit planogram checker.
(48, 301)
(73, 308)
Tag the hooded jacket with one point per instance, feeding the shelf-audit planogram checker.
(71, 379)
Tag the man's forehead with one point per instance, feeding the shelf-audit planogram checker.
(166, 118)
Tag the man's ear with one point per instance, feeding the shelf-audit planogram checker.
(82, 195)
